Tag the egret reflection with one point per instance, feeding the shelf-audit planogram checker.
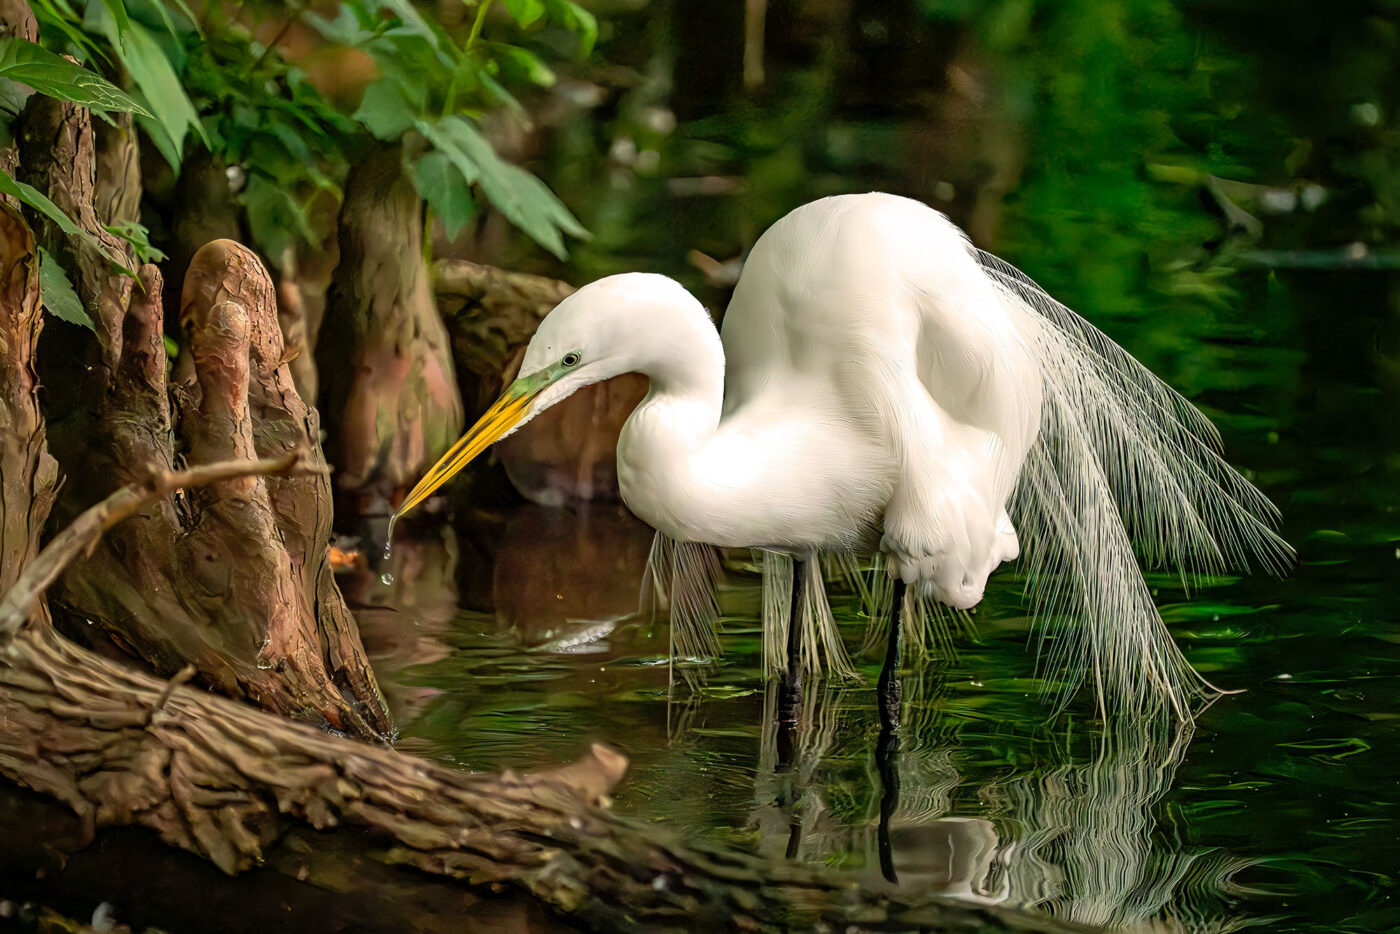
(1074, 834)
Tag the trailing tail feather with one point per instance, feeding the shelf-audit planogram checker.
(1121, 459)
(822, 649)
(684, 576)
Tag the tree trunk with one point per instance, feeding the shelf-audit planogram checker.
(234, 580)
(28, 475)
(389, 388)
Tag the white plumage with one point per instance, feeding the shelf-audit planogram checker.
(882, 386)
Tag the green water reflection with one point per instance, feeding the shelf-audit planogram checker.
(513, 644)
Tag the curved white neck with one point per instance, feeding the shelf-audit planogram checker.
(662, 439)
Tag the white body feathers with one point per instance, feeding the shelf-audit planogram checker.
(881, 380)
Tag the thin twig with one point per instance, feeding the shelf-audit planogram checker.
(183, 676)
(86, 530)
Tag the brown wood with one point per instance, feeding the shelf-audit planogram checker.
(28, 475)
(389, 387)
(234, 579)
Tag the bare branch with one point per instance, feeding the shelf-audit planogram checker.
(86, 530)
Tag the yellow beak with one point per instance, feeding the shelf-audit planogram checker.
(505, 414)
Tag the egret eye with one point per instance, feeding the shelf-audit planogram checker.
(572, 358)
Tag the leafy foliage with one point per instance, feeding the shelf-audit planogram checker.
(140, 38)
(213, 80)
(263, 115)
(439, 87)
(24, 63)
(31, 64)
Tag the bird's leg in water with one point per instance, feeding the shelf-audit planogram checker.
(790, 700)
(889, 687)
(890, 691)
(790, 705)
(887, 764)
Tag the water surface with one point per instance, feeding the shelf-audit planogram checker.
(512, 640)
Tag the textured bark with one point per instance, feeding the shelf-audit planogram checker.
(24, 598)
(203, 210)
(225, 273)
(568, 452)
(17, 21)
(58, 157)
(28, 475)
(303, 276)
(226, 781)
(389, 388)
(234, 579)
(310, 882)
(492, 313)
(117, 171)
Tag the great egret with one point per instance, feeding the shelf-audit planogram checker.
(880, 385)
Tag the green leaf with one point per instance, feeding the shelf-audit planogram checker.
(161, 138)
(36, 199)
(13, 97)
(57, 293)
(51, 74)
(525, 200)
(140, 239)
(155, 76)
(61, 17)
(497, 92)
(345, 29)
(383, 110)
(575, 19)
(525, 12)
(523, 64)
(414, 22)
(275, 219)
(117, 10)
(447, 191)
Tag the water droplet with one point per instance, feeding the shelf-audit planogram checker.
(386, 578)
(389, 536)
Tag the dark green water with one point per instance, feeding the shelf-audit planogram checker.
(511, 645)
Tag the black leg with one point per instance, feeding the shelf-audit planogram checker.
(887, 764)
(889, 687)
(889, 691)
(790, 705)
(790, 700)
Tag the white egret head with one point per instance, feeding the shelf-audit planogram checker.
(620, 324)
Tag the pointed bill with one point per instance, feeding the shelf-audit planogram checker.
(508, 411)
